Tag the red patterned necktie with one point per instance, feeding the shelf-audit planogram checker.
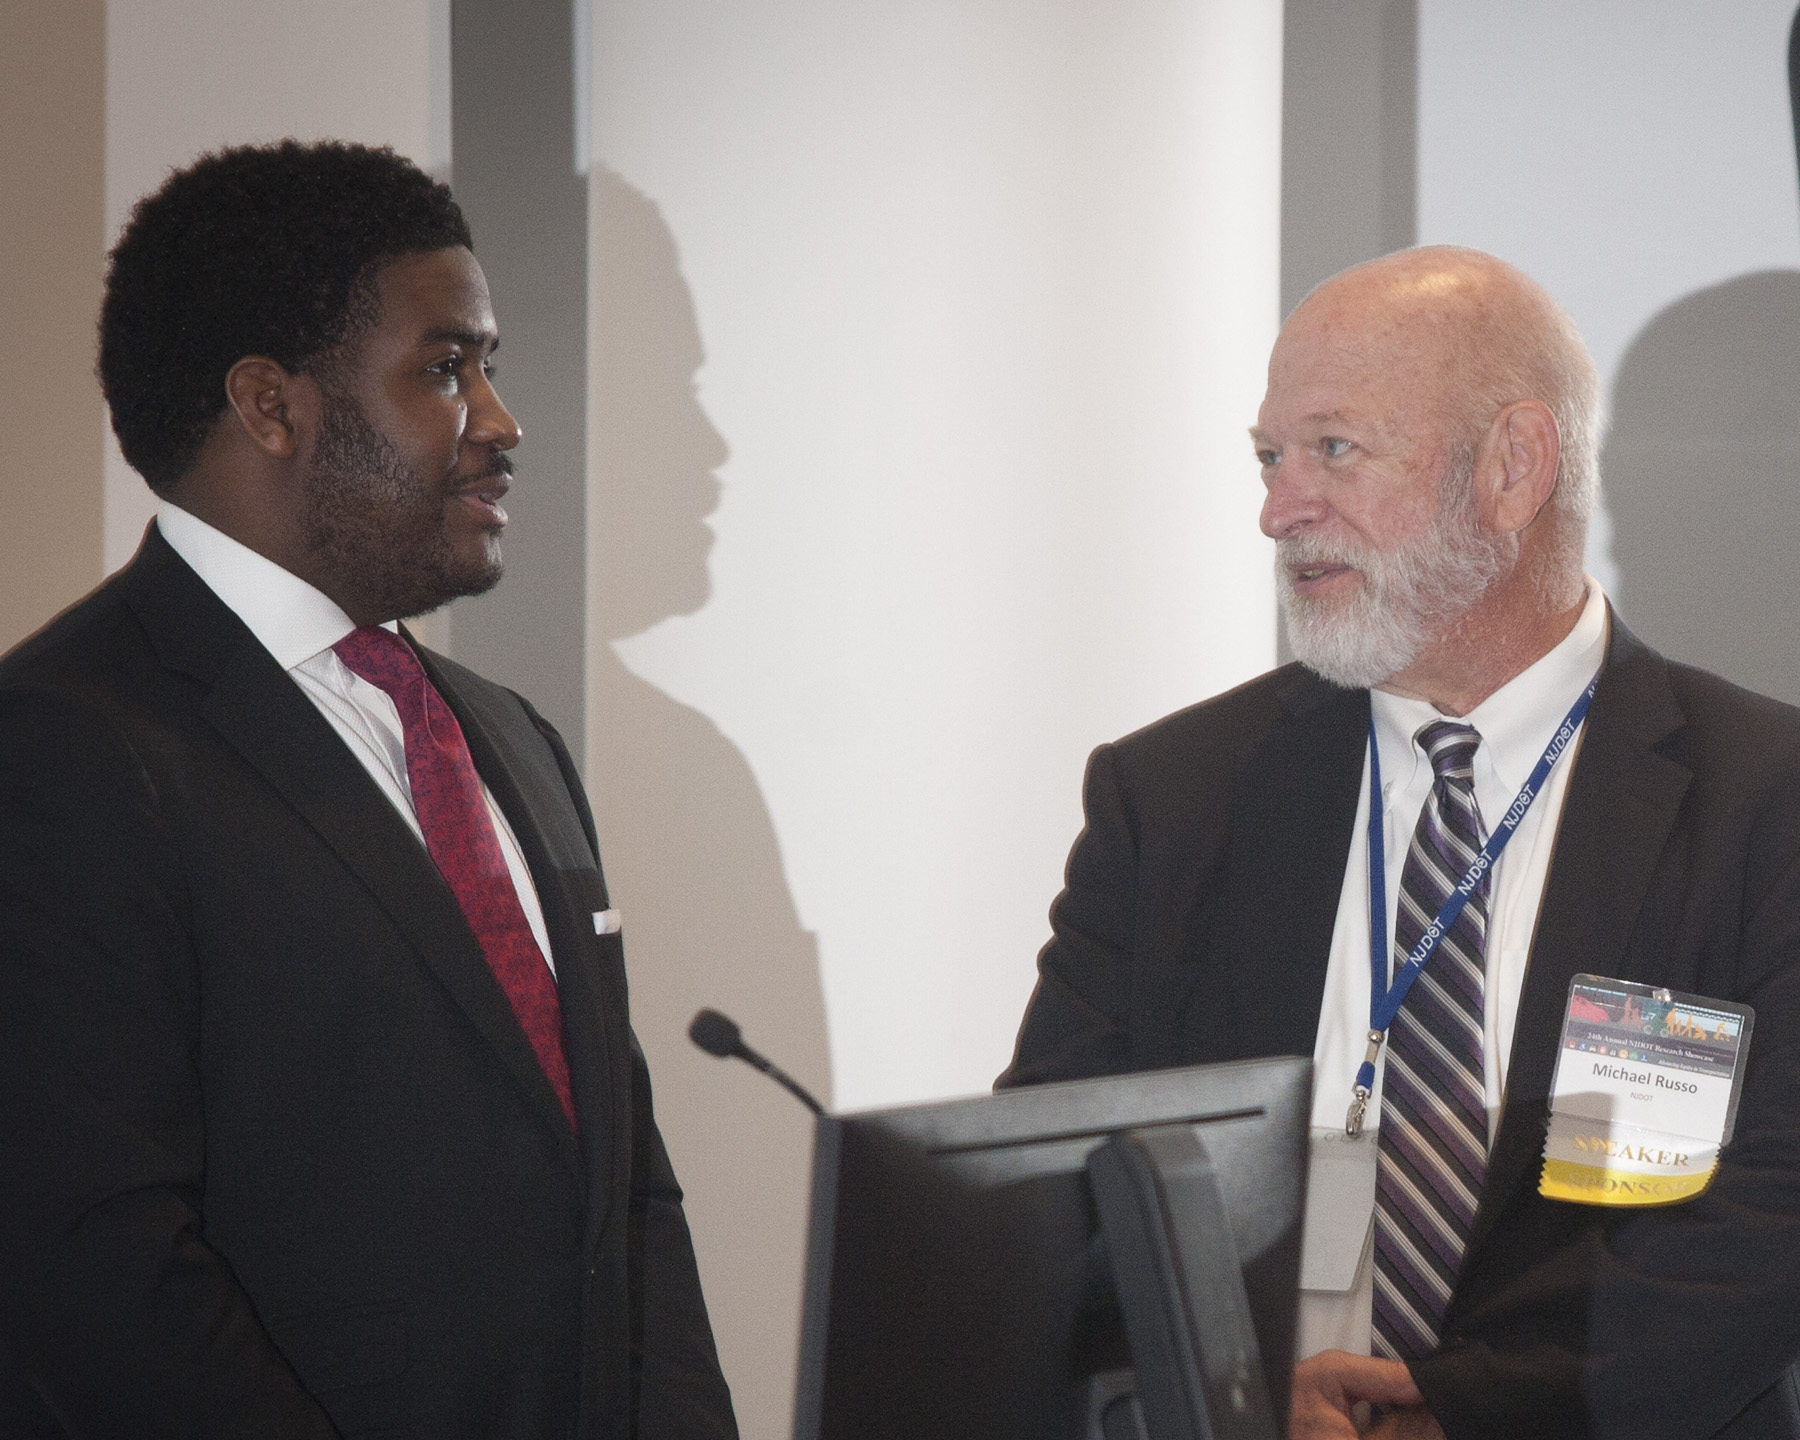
(452, 811)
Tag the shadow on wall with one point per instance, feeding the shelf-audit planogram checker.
(691, 854)
(1702, 476)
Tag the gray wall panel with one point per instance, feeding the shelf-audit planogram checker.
(1349, 141)
(513, 128)
(1349, 122)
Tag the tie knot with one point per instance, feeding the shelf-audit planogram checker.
(380, 656)
(1451, 747)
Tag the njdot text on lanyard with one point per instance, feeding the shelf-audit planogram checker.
(1384, 999)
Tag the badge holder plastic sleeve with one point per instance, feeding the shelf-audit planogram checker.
(1620, 1161)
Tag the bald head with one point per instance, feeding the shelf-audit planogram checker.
(1429, 442)
(1467, 334)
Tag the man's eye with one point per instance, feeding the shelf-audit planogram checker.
(1266, 458)
(1333, 448)
(450, 365)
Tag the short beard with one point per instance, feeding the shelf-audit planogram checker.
(1410, 596)
(370, 515)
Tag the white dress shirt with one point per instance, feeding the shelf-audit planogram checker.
(298, 625)
(1515, 724)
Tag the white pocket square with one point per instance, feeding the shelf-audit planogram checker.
(606, 922)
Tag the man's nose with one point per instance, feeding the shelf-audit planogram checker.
(490, 422)
(1294, 502)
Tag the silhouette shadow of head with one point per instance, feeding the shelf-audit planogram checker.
(691, 852)
(654, 449)
(1702, 472)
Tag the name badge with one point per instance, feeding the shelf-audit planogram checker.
(1340, 1204)
(1645, 1095)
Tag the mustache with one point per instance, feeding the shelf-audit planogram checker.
(1311, 549)
(499, 467)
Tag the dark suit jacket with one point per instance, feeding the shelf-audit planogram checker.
(276, 1158)
(1196, 926)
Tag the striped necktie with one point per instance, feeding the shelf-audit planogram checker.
(1433, 1142)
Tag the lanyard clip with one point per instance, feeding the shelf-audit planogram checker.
(1365, 1084)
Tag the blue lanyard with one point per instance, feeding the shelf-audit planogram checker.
(1385, 1000)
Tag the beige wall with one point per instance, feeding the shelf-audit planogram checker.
(187, 76)
(52, 216)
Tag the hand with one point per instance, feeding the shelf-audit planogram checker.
(1406, 1422)
(1329, 1385)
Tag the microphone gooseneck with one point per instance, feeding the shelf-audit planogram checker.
(719, 1035)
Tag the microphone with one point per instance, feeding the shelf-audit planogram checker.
(719, 1035)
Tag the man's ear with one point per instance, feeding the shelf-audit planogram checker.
(274, 407)
(1521, 452)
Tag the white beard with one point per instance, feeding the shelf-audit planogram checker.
(1409, 596)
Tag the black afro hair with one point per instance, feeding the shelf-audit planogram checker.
(256, 250)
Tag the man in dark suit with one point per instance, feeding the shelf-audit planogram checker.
(320, 1111)
(1428, 446)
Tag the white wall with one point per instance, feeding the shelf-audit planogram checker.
(187, 76)
(986, 290)
(966, 303)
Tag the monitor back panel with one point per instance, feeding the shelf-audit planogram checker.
(956, 1283)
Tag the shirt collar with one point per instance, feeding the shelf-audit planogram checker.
(293, 620)
(1515, 722)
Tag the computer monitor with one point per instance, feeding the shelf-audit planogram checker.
(960, 1281)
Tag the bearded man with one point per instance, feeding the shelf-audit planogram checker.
(320, 1109)
(1428, 442)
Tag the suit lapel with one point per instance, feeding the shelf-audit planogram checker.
(1621, 805)
(569, 894)
(1294, 811)
(262, 714)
